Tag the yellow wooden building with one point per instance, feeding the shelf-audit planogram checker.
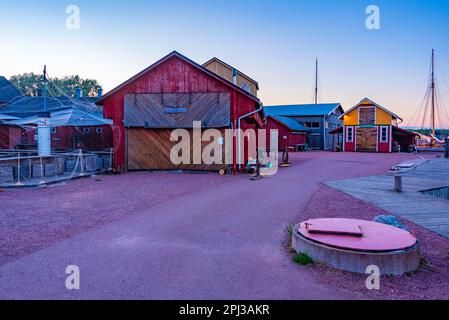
(231, 74)
(370, 127)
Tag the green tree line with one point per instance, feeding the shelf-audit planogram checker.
(31, 83)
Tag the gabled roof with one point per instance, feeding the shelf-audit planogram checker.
(184, 58)
(232, 68)
(7, 90)
(290, 123)
(367, 101)
(301, 110)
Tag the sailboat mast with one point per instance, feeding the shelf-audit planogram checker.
(316, 81)
(433, 93)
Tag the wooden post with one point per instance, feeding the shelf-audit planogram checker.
(446, 148)
(81, 163)
(398, 184)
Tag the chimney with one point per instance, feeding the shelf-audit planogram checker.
(78, 93)
(100, 92)
(234, 76)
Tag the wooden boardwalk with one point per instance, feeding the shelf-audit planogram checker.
(425, 210)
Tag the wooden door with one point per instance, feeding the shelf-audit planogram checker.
(366, 139)
(367, 116)
(149, 149)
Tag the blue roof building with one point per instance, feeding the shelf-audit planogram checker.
(317, 119)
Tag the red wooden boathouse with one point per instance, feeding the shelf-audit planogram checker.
(170, 94)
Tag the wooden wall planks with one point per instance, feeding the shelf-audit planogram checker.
(149, 149)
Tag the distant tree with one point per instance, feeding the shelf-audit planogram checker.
(31, 84)
(27, 83)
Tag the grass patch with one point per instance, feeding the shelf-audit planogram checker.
(302, 259)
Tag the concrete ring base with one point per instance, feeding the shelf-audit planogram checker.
(390, 263)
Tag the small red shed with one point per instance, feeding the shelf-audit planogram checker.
(171, 94)
(291, 133)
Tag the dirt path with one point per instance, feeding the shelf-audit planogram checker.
(217, 238)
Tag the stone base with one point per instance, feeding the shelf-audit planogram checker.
(390, 263)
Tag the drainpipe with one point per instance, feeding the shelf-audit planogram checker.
(239, 131)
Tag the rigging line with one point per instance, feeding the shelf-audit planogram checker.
(320, 92)
(416, 116)
(443, 95)
(426, 107)
(424, 117)
(425, 97)
(79, 102)
(424, 121)
(89, 107)
(442, 105)
(428, 110)
(312, 89)
(442, 74)
(437, 111)
(76, 102)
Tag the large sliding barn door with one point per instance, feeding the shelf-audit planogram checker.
(367, 139)
(149, 149)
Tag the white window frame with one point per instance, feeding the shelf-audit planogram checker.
(98, 130)
(53, 130)
(86, 130)
(381, 135)
(352, 134)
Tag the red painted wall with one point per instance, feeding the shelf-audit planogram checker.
(172, 76)
(349, 146)
(76, 138)
(10, 136)
(64, 138)
(384, 147)
(292, 139)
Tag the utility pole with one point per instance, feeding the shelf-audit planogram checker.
(45, 88)
(433, 93)
(316, 81)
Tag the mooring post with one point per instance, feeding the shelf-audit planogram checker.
(446, 148)
(19, 169)
(42, 171)
(81, 163)
(398, 183)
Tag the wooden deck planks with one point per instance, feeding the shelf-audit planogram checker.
(425, 210)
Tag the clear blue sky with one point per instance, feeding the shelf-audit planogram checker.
(274, 42)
